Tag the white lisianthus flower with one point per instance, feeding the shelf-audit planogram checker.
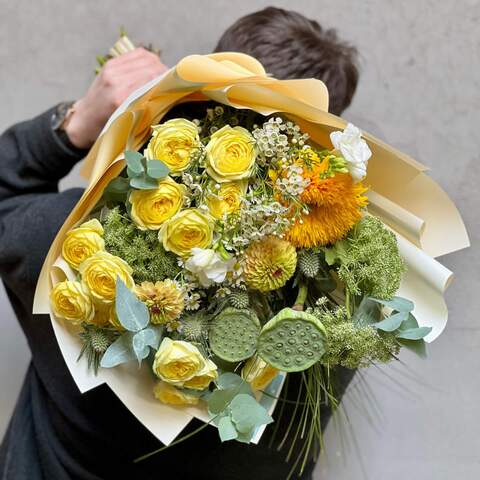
(208, 266)
(354, 150)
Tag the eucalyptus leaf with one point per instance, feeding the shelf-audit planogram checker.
(415, 346)
(143, 182)
(134, 161)
(157, 169)
(143, 340)
(219, 400)
(132, 313)
(392, 322)
(367, 313)
(397, 303)
(117, 189)
(326, 284)
(247, 413)
(226, 429)
(120, 351)
(414, 333)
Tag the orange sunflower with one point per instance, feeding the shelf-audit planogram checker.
(334, 203)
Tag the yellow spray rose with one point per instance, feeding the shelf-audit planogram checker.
(188, 229)
(173, 396)
(70, 300)
(99, 276)
(258, 373)
(177, 361)
(227, 200)
(230, 154)
(82, 242)
(173, 142)
(150, 208)
(203, 379)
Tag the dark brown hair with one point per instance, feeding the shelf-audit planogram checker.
(290, 45)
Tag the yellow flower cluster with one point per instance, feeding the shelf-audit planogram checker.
(92, 298)
(230, 157)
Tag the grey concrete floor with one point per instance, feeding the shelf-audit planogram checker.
(418, 91)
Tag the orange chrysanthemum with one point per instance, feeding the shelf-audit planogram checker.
(335, 206)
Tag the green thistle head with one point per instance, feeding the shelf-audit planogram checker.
(309, 263)
(239, 299)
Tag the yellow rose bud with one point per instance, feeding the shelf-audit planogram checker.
(258, 373)
(177, 361)
(150, 208)
(173, 142)
(70, 300)
(82, 242)
(99, 276)
(228, 199)
(188, 229)
(173, 396)
(230, 154)
(204, 378)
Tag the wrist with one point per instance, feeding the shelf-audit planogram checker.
(80, 129)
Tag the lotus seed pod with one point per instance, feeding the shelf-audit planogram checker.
(233, 334)
(239, 299)
(309, 263)
(100, 340)
(292, 341)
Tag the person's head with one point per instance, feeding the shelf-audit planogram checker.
(290, 45)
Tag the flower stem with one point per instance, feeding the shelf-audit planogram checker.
(301, 297)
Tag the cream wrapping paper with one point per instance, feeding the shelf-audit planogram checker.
(426, 222)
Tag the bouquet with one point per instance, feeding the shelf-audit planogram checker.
(233, 233)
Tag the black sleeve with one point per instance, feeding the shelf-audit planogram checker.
(32, 161)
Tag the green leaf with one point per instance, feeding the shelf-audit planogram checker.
(143, 340)
(157, 169)
(117, 189)
(143, 182)
(219, 400)
(134, 162)
(414, 333)
(226, 429)
(132, 313)
(410, 322)
(120, 351)
(325, 284)
(415, 346)
(247, 413)
(397, 303)
(392, 322)
(367, 313)
(330, 256)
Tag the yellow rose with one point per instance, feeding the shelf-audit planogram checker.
(228, 199)
(173, 142)
(82, 242)
(70, 300)
(173, 396)
(99, 276)
(258, 373)
(230, 154)
(150, 208)
(106, 316)
(204, 378)
(177, 361)
(188, 229)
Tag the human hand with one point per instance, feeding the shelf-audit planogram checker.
(116, 81)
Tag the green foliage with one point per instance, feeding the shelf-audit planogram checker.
(136, 342)
(140, 249)
(354, 345)
(368, 260)
(144, 174)
(236, 412)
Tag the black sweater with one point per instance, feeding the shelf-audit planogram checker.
(56, 433)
